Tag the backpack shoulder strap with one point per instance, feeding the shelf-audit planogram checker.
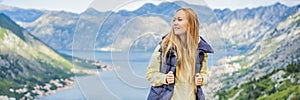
(199, 65)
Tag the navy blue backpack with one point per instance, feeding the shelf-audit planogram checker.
(165, 91)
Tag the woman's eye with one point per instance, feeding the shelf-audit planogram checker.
(179, 19)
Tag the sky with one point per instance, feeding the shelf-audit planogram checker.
(78, 6)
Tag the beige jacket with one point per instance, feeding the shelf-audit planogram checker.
(183, 90)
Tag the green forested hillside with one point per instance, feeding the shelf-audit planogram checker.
(276, 50)
(28, 68)
(281, 84)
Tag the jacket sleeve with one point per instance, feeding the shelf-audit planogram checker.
(203, 70)
(153, 74)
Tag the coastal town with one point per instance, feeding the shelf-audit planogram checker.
(56, 85)
(39, 91)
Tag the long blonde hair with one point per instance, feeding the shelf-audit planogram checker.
(186, 56)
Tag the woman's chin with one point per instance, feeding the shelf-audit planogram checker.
(178, 33)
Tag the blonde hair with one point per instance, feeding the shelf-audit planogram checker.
(185, 55)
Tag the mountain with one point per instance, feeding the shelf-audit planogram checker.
(284, 39)
(21, 15)
(280, 84)
(278, 48)
(27, 64)
(245, 27)
(60, 29)
(55, 28)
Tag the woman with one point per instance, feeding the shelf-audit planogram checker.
(182, 49)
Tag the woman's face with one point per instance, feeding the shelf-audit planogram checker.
(180, 23)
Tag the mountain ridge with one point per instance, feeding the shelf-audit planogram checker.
(26, 63)
(20, 14)
(52, 36)
(276, 50)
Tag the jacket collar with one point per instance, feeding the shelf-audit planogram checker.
(204, 46)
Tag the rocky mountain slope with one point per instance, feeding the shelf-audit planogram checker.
(282, 83)
(244, 28)
(275, 50)
(54, 28)
(26, 62)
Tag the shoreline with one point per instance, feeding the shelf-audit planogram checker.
(39, 91)
(69, 83)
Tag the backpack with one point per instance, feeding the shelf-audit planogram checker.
(165, 91)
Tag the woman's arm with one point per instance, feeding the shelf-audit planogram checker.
(203, 69)
(153, 74)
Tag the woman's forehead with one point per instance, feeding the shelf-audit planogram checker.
(180, 14)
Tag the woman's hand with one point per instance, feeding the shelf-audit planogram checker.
(170, 78)
(198, 79)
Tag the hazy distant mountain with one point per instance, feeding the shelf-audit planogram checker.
(57, 29)
(112, 25)
(26, 62)
(21, 15)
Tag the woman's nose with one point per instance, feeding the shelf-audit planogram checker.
(175, 23)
